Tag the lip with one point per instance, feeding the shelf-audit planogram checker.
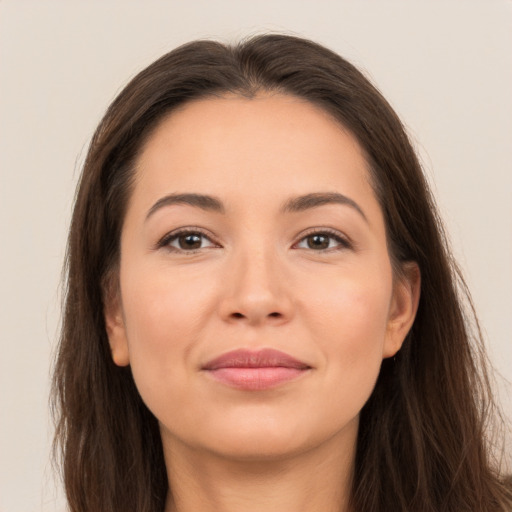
(255, 370)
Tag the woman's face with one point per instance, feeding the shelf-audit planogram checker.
(253, 228)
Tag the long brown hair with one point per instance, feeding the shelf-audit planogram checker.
(422, 442)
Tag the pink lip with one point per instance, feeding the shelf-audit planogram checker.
(254, 371)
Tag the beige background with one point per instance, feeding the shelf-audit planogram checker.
(445, 66)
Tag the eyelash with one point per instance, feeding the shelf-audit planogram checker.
(174, 235)
(343, 242)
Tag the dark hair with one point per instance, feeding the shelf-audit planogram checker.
(422, 437)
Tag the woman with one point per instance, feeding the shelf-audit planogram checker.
(262, 312)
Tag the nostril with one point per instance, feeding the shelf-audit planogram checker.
(275, 314)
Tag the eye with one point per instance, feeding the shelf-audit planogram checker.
(323, 241)
(186, 241)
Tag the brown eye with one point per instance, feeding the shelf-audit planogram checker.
(190, 241)
(318, 241)
(323, 241)
(187, 241)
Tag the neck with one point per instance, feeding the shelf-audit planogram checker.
(318, 479)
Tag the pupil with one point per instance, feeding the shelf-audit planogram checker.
(318, 242)
(190, 241)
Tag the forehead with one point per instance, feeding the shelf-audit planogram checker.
(269, 137)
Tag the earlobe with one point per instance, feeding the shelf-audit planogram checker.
(403, 308)
(116, 332)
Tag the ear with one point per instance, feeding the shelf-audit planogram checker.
(403, 307)
(115, 325)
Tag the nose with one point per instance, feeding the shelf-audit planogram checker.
(256, 290)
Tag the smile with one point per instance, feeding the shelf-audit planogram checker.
(255, 371)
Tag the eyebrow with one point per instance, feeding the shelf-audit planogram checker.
(293, 205)
(314, 200)
(208, 203)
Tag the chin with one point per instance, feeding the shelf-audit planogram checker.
(254, 447)
(266, 439)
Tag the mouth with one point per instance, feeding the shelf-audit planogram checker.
(255, 370)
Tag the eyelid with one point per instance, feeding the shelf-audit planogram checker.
(185, 230)
(343, 240)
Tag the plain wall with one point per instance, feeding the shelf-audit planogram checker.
(446, 67)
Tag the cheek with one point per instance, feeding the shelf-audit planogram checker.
(164, 308)
(349, 322)
(164, 315)
(356, 307)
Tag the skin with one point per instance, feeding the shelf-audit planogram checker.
(256, 282)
